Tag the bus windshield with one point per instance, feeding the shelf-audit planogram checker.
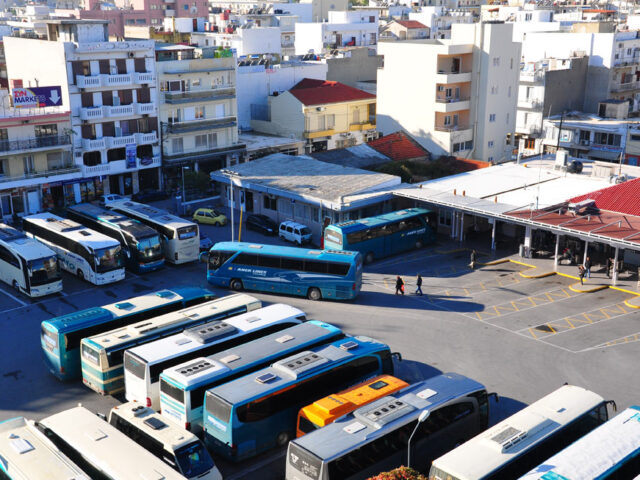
(108, 259)
(185, 233)
(194, 460)
(218, 257)
(150, 246)
(90, 354)
(44, 270)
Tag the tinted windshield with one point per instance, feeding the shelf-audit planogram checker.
(187, 232)
(305, 231)
(174, 392)
(90, 354)
(333, 236)
(50, 338)
(218, 257)
(108, 259)
(150, 247)
(134, 365)
(193, 460)
(44, 270)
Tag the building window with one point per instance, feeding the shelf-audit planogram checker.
(490, 159)
(490, 144)
(213, 140)
(199, 112)
(611, 139)
(46, 130)
(195, 82)
(447, 120)
(444, 218)
(509, 92)
(201, 141)
(331, 121)
(529, 143)
(270, 203)
(494, 90)
(176, 145)
(511, 63)
(155, 21)
(173, 116)
(507, 121)
(154, 6)
(4, 134)
(496, 61)
(492, 117)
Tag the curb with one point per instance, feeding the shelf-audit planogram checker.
(495, 262)
(628, 303)
(587, 290)
(539, 275)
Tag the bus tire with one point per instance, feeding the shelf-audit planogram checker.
(80, 274)
(368, 258)
(236, 284)
(419, 244)
(283, 438)
(314, 294)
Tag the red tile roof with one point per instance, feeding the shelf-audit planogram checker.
(411, 24)
(319, 92)
(398, 146)
(622, 198)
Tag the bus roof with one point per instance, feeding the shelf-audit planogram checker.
(124, 223)
(287, 371)
(359, 427)
(73, 230)
(107, 448)
(114, 338)
(196, 337)
(246, 354)
(363, 223)
(26, 453)
(91, 316)
(597, 452)
(152, 213)
(28, 248)
(494, 447)
(306, 253)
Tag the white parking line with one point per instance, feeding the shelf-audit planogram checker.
(257, 466)
(21, 302)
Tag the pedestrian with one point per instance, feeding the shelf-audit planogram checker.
(399, 285)
(608, 266)
(581, 274)
(419, 285)
(587, 267)
(474, 255)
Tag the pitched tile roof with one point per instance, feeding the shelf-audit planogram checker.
(398, 146)
(319, 92)
(622, 198)
(411, 24)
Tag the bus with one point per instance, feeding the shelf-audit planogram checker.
(254, 413)
(26, 454)
(90, 255)
(29, 266)
(60, 336)
(611, 451)
(384, 235)
(180, 237)
(102, 450)
(315, 274)
(140, 243)
(101, 356)
(326, 410)
(516, 445)
(144, 363)
(374, 437)
(182, 387)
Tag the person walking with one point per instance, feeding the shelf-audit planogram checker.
(399, 285)
(419, 285)
(587, 267)
(474, 255)
(608, 266)
(581, 274)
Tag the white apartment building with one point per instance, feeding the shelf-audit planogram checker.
(439, 19)
(307, 10)
(247, 39)
(352, 28)
(198, 112)
(455, 97)
(110, 89)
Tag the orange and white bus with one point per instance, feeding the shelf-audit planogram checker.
(326, 410)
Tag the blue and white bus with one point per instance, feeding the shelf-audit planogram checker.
(247, 416)
(140, 243)
(384, 235)
(60, 336)
(315, 274)
(611, 451)
(182, 387)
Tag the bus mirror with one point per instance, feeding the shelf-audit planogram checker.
(204, 257)
(495, 396)
(613, 405)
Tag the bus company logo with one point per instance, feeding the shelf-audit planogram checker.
(417, 232)
(260, 273)
(294, 458)
(241, 269)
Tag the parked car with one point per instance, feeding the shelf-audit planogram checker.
(145, 196)
(209, 216)
(110, 197)
(295, 232)
(261, 223)
(205, 242)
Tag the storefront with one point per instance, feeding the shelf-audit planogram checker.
(61, 194)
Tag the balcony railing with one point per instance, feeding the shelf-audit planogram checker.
(532, 77)
(83, 81)
(63, 170)
(451, 128)
(93, 143)
(451, 99)
(530, 103)
(142, 78)
(144, 138)
(120, 142)
(355, 127)
(117, 80)
(120, 166)
(33, 143)
(100, 169)
(220, 92)
(118, 110)
(625, 87)
(145, 108)
(91, 113)
(201, 123)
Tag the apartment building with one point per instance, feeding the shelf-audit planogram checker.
(110, 90)
(455, 97)
(198, 109)
(36, 166)
(439, 19)
(247, 39)
(325, 114)
(404, 30)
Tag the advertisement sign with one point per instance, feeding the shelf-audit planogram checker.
(130, 155)
(37, 97)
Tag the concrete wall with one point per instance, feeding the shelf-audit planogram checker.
(287, 118)
(357, 65)
(566, 88)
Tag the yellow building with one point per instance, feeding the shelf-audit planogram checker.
(326, 114)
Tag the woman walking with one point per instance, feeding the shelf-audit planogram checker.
(399, 285)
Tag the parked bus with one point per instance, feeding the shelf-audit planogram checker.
(140, 243)
(100, 449)
(180, 238)
(102, 354)
(516, 445)
(314, 274)
(90, 255)
(27, 265)
(611, 451)
(374, 438)
(167, 440)
(182, 387)
(247, 416)
(144, 363)
(60, 336)
(26, 454)
(326, 410)
(384, 235)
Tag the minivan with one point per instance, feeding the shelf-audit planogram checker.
(295, 232)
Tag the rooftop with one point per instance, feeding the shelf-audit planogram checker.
(622, 198)
(358, 156)
(320, 92)
(399, 146)
(411, 24)
(257, 141)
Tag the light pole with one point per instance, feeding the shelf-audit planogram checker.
(184, 193)
(229, 174)
(423, 416)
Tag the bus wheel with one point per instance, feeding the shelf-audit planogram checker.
(418, 244)
(236, 284)
(283, 438)
(314, 294)
(368, 258)
(16, 286)
(80, 274)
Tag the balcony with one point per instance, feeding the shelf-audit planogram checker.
(120, 142)
(145, 108)
(83, 81)
(143, 78)
(320, 133)
(356, 127)
(91, 113)
(117, 80)
(93, 144)
(101, 169)
(201, 124)
(530, 104)
(625, 87)
(536, 77)
(219, 93)
(146, 138)
(35, 143)
(456, 76)
(452, 128)
(120, 166)
(53, 172)
(169, 12)
(531, 129)
(118, 110)
(451, 104)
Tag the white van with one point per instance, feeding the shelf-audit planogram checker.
(177, 447)
(295, 232)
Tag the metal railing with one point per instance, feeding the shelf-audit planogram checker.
(201, 123)
(451, 99)
(35, 142)
(451, 128)
(64, 170)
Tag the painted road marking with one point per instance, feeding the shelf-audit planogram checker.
(21, 302)
(619, 341)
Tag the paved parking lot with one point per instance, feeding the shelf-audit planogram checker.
(520, 337)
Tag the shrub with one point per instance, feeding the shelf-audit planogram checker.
(402, 473)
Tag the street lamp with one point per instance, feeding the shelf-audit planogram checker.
(423, 416)
(230, 174)
(184, 193)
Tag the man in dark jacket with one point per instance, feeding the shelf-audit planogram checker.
(419, 285)
(399, 285)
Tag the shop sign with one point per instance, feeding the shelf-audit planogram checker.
(130, 155)
(37, 97)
